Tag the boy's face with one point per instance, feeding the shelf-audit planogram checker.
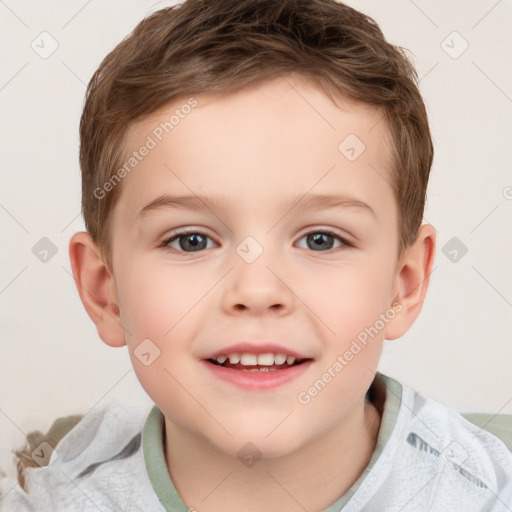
(255, 275)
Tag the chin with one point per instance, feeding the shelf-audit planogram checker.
(256, 449)
(259, 443)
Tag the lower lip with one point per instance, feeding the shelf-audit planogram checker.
(257, 380)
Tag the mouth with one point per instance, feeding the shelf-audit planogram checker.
(261, 366)
(268, 362)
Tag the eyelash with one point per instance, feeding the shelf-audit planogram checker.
(178, 234)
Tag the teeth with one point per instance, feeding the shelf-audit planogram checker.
(247, 359)
(259, 370)
(280, 358)
(266, 359)
(234, 358)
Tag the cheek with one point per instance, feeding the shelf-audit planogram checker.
(350, 298)
(353, 307)
(158, 311)
(161, 310)
(154, 299)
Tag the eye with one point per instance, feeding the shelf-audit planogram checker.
(322, 240)
(186, 241)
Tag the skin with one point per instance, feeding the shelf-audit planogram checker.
(256, 151)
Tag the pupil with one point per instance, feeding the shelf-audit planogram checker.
(318, 238)
(194, 240)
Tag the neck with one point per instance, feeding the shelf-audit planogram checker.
(210, 480)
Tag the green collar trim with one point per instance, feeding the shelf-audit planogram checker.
(154, 457)
(386, 394)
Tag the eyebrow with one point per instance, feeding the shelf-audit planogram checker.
(304, 202)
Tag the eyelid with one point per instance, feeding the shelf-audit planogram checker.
(313, 229)
(179, 232)
(336, 232)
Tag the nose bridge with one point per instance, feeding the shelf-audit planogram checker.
(254, 283)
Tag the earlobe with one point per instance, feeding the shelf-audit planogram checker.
(96, 287)
(413, 277)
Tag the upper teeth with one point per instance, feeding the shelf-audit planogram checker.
(268, 359)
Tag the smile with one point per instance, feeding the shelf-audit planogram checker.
(257, 372)
(268, 362)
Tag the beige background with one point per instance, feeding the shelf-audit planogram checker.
(52, 362)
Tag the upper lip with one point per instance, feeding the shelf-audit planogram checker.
(260, 348)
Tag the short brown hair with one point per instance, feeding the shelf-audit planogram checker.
(220, 46)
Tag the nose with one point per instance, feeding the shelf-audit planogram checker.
(257, 288)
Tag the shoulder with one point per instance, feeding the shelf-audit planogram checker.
(447, 424)
(77, 471)
(465, 461)
(499, 425)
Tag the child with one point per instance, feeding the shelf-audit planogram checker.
(222, 144)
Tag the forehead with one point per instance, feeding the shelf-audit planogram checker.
(282, 138)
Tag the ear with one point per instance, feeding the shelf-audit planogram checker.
(97, 289)
(412, 280)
